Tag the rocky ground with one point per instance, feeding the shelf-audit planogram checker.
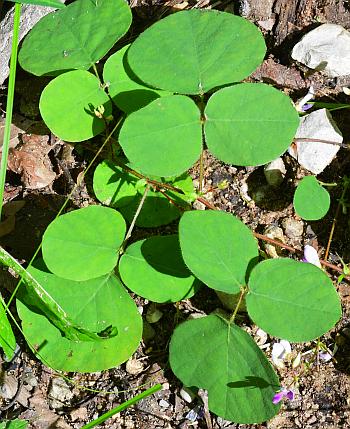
(32, 391)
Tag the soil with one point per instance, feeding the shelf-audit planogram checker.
(323, 392)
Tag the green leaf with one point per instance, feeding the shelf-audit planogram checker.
(218, 248)
(191, 52)
(249, 124)
(157, 209)
(114, 186)
(67, 106)
(48, 306)
(95, 304)
(84, 243)
(164, 138)
(311, 201)
(7, 338)
(125, 89)
(154, 269)
(292, 300)
(14, 424)
(117, 188)
(211, 354)
(75, 37)
(49, 3)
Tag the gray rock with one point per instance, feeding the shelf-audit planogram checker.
(315, 156)
(30, 15)
(326, 48)
(59, 393)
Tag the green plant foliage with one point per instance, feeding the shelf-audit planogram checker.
(164, 138)
(117, 188)
(218, 248)
(67, 106)
(292, 300)
(14, 424)
(7, 338)
(211, 354)
(249, 124)
(191, 52)
(96, 304)
(75, 37)
(114, 186)
(126, 90)
(311, 200)
(84, 243)
(154, 269)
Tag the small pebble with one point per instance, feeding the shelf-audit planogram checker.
(187, 394)
(164, 404)
(293, 228)
(134, 366)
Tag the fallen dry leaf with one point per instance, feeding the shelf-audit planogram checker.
(32, 162)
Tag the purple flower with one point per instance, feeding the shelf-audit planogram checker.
(306, 107)
(284, 393)
(311, 256)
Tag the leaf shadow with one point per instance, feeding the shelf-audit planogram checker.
(250, 382)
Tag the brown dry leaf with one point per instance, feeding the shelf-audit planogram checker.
(41, 417)
(23, 124)
(280, 75)
(32, 162)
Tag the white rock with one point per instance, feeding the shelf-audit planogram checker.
(163, 403)
(315, 156)
(275, 172)
(327, 48)
(30, 15)
(187, 394)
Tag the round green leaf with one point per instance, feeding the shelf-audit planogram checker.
(311, 200)
(218, 248)
(114, 186)
(94, 304)
(156, 210)
(67, 106)
(249, 124)
(75, 37)
(211, 354)
(154, 269)
(292, 300)
(196, 51)
(164, 138)
(84, 243)
(125, 89)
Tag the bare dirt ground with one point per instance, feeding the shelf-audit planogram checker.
(323, 393)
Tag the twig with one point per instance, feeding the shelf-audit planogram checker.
(279, 243)
(346, 184)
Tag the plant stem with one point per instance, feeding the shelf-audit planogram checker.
(302, 139)
(96, 72)
(346, 185)
(279, 243)
(132, 225)
(9, 103)
(240, 299)
(201, 171)
(122, 407)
